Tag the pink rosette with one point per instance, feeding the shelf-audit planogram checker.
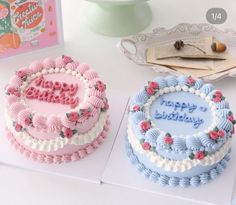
(25, 70)
(59, 62)
(12, 99)
(36, 66)
(15, 81)
(97, 93)
(96, 102)
(73, 65)
(48, 63)
(15, 108)
(67, 123)
(22, 116)
(39, 121)
(54, 124)
(90, 74)
(82, 68)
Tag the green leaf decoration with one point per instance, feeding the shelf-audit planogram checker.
(74, 131)
(216, 129)
(191, 156)
(205, 153)
(62, 134)
(67, 115)
(153, 149)
(230, 113)
(142, 141)
(222, 98)
(168, 134)
(234, 122)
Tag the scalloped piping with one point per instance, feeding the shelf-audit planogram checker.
(185, 182)
(59, 143)
(142, 97)
(179, 88)
(47, 70)
(174, 165)
(57, 159)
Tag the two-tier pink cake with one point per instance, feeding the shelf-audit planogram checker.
(56, 110)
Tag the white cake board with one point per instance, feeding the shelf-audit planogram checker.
(90, 168)
(120, 171)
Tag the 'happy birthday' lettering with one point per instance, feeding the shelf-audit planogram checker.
(182, 112)
(53, 92)
(176, 116)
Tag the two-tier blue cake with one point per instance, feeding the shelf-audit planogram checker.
(179, 131)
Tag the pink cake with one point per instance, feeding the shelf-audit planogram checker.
(56, 110)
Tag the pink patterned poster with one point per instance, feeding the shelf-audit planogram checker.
(27, 25)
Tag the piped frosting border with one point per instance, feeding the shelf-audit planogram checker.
(196, 146)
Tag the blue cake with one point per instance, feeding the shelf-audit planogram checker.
(179, 131)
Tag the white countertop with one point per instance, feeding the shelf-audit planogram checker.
(25, 187)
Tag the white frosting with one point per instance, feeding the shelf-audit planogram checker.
(178, 88)
(174, 165)
(59, 142)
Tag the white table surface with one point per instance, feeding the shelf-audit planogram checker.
(24, 187)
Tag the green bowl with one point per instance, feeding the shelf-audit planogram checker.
(117, 17)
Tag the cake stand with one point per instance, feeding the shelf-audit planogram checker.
(117, 17)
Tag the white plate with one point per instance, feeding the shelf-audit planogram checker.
(90, 168)
(120, 171)
(134, 48)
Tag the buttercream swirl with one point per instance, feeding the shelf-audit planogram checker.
(48, 63)
(138, 117)
(36, 66)
(82, 68)
(207, 88)
(193, 143)
(182, 79)
(198, 84)
(222, 105)
(179, 144)
(171, 81)
(161, 82)
(225, 124)
(15, 108)
(151, 135)
(15, 81)
(90, 74)
(174, 181)
(141, 97)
